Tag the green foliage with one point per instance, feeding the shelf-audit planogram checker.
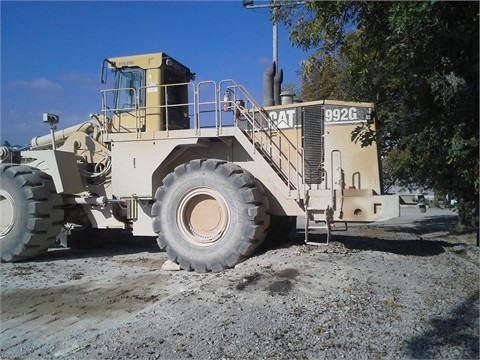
(418, 61)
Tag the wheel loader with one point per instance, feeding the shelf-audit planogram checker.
(200, 165)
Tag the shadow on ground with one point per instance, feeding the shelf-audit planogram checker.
(399, 247)
(426, 225)
(101, 243)
(111, 242)
(458, 329)
(413, 244)
(379, 237)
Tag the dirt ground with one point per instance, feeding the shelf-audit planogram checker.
(407, 288)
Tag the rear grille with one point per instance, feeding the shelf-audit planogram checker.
(314, 150)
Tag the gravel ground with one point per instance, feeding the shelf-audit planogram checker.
(405, 289)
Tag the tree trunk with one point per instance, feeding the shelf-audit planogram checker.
(468, 214)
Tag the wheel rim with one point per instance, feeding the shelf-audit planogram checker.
(203, 216)
(7, 213)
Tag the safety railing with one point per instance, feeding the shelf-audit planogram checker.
(209, 105)
(121, 117)
(266, 137)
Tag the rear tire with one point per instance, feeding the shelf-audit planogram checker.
(210, 215)
(30, 212)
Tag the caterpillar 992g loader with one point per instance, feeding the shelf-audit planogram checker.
(200, 165)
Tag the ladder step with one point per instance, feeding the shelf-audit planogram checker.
(317, 226)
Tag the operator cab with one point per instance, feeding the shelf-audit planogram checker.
(150, 94)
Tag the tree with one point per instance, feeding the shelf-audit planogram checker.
(418, 61)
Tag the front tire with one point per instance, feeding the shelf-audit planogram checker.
(30, 212)
(210, 215)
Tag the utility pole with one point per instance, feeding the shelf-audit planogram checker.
(274, 5)
(273, 77)
(275, 32)
(248, 4)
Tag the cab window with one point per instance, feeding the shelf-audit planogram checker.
(128, 83)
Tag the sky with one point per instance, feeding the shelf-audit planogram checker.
(52, 52)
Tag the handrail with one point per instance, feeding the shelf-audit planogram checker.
(201, 103)
(119, 110)
(266, 137)
(270, 129)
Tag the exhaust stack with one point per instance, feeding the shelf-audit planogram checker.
(277, 86)
(272, 83)
(268, 75)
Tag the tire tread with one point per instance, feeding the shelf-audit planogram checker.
(255, 216)
(43, 209)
